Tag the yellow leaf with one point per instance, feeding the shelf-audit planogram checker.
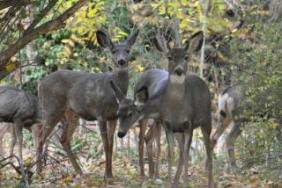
(10, 67)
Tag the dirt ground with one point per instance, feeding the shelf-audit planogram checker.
(59, 173)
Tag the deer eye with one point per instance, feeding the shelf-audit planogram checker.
(186, 57)
(129, 114)
(169, 58)
(127, 51)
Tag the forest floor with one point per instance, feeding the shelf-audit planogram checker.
(59, 172)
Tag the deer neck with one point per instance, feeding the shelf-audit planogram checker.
(176, 87)
(121, 79)
(151, 108)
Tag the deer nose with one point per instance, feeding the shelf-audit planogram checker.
(222, 113)
(121, 62)
(179, 71)
(121, 134)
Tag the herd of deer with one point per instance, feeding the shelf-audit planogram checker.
(177, 100)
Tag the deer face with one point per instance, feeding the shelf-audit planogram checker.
(177, 61)
(120, 51)
(179, 57)
(128, 113)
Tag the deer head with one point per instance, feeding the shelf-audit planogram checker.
(129, 111)
(120, 51)
(179, 57)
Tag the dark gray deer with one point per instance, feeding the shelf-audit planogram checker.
(182, 102)
(228, 111)
(149, 87)
(70, 95)
(23, 110)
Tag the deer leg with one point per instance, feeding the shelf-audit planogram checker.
(141, 147)
(3, 130)
(104, 134)
(218, 132)
(158, 147)
(149, 146)
(169, 137)
(209, 165)
(179, 138)
(111, 130)
(46, 130)
(68, 130)
(188, 135)
(36, 133)
(14, 140)
(230, 142)
(19, 133)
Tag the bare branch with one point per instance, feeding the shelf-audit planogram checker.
(13, 3)
(43, 13)
(52, 25)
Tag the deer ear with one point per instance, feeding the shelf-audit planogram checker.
(118, 94)
(104, 39)
(195, 42)
(141, 96)
(131, 40)
(160, 43)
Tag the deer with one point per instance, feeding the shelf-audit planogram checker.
(71, 94)
(227, 112)
(19, 109)
(182, 103)
(154, 80)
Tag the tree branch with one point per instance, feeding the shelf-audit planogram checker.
(52, 25)
(43, 13)
(13, 3)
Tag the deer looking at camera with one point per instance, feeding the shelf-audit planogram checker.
(72, 94)
(182, 103)
(149, 86)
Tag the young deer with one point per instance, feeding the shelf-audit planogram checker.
(22, 109)
(72, 94)
(149, 86)
(228, 112)
(182, 102)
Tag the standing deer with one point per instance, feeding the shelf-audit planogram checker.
(228, 112)
(182, 103)
(23, 110)
(149, 87)
(72, 94)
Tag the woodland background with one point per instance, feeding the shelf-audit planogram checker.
(243, 46)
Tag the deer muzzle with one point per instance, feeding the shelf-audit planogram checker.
(179, 70)
(121, 62)
(121, 134)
